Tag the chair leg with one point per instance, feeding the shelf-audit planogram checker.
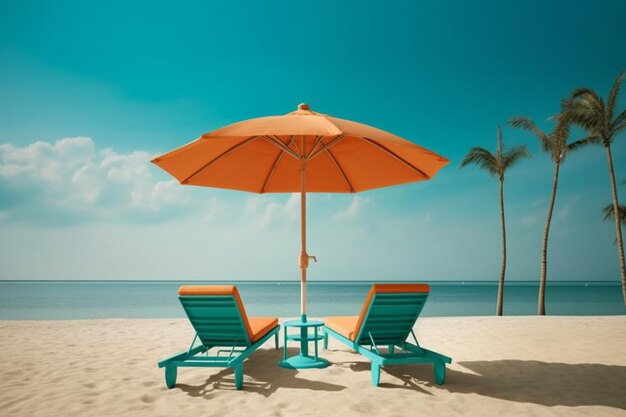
(391, 349)
(375, 374)
(325, 340)
(170, 376)
(440, 371)
(276, 340)
(239, 376)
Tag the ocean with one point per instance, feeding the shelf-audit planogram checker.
(47, 300)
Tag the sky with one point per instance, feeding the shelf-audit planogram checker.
(91, 91)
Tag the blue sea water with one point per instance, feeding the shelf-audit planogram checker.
(44, 300)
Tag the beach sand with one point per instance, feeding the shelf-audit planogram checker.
(508, 366)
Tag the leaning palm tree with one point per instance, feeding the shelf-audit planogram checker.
(554, 144)
(587, 109)
(497, 165)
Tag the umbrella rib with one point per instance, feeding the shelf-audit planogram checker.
(220, 156)
(343, 174)
(327, 146)
(269, 175)
(396, 157)
(277, 142)
(295, 142)
(318, 140)
(292, 140)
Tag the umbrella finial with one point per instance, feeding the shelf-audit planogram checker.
(303, 106)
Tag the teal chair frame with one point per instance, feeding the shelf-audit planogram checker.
(388, 322)
(219, 324)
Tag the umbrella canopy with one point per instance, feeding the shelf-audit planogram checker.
(302, 151)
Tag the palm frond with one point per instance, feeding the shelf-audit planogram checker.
(580, 91)
(616, 129)
(591, 97)
(564, 115)
(580, 143)
(609, 213)
(620, 118)
(482, 158)
(579, 112)
(500, 148)
(612, 101)
(527, 124)
(597, 115)
(619, 123)
(562, 128)
(588, 98)
(515, 155)
(558, 138)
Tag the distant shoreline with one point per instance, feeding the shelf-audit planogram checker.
(91, 299)
(312, 281)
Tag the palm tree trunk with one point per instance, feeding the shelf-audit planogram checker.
(541, 307)
(501, 284)
(618, 226)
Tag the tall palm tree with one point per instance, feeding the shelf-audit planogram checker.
(497, 165)
(587, 109)
(554, 144)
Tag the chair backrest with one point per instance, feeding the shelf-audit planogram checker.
(217, 314)
(389, 313)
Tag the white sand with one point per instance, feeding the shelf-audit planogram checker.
(542, 366)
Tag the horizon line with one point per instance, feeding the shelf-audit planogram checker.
(296, 281)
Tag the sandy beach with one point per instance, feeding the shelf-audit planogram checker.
(539, 366)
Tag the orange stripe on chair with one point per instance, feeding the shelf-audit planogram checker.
(386, 288)
(207, 290)
(259, 326)
(344, 325)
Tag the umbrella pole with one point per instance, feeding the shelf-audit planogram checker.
(304, 259)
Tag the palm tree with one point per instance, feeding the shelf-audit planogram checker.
(555, 144)
(497, 165)
(587, 109)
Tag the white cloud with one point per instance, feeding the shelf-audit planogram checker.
(530, 219)
(565, 210)
(69, 181)
(353, 211)
(265, 211)
(214, 210)
(562, 211)
(43, 161)
(539, 202)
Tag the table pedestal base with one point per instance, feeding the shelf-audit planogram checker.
(303, 362)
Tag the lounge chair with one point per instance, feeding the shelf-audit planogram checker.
(217, 314)
(387, 319)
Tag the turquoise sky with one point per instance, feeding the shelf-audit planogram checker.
(90, 91)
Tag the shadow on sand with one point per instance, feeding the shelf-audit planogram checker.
(267, 377)
(544, 383)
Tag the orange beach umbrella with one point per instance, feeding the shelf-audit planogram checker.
(302, 151)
